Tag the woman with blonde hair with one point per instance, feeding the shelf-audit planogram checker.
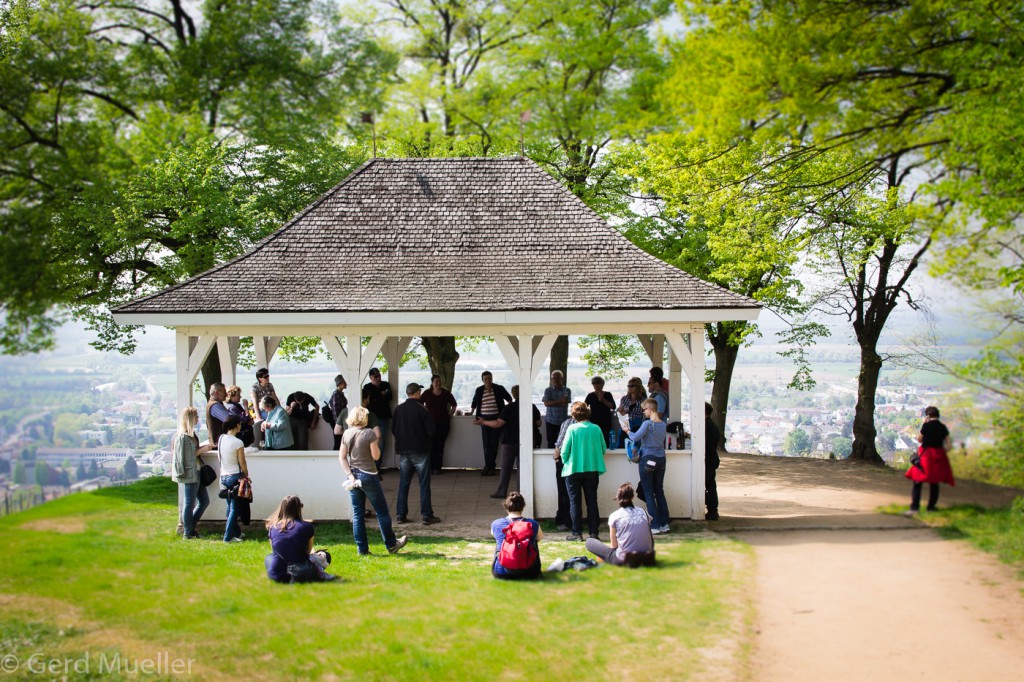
(185, 470)
(650, 436)
(630, 404)
(358, 455)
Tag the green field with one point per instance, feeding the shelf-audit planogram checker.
(92, 577)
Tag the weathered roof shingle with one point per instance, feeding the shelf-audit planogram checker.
(464, 234)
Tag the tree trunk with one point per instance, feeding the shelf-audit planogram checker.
(864, 448)
(725, 363)
(441, 356)
(210, 371)
(560, 355)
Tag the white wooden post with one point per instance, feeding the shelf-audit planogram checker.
(526, 355)
(227, 352)
(690, 352)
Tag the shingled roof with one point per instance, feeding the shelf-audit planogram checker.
(445, 235)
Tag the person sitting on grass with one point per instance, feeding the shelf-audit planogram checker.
(631, 540)
(291, 539)
(516, 556)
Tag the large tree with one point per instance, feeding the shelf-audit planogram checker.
(861, 117)
(145, 142)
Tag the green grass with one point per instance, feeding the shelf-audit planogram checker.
(999, 531)
(104, 572)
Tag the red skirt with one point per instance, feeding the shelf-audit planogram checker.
(934, 467)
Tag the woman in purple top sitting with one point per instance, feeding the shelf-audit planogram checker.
(291, 539)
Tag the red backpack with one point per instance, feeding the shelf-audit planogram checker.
(519, 548)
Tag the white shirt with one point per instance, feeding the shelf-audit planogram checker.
(227, 450)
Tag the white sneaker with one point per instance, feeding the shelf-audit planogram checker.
(657, 531)
(235, 540)
(665, 529)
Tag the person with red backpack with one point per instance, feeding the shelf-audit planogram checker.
(516, 556)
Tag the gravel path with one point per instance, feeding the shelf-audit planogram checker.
(846, 593)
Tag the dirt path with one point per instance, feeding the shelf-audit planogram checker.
(845, 593)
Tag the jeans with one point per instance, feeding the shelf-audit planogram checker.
(408, 462)
(371, 491)
(585, 482)
(562, 517)
(653, 480)
(491, 438)
(231, 527)
(195, 500)
(441, 430)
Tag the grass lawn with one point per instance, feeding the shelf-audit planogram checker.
(91, 577)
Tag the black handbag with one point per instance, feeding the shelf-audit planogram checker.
(207, 475)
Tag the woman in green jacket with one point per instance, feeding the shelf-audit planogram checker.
(582, 464)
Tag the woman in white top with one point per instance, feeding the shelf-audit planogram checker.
(233, 468)
(631, 542)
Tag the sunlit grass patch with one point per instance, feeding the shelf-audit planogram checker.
(430, 612)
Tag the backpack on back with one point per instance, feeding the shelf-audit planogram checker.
(519, 548)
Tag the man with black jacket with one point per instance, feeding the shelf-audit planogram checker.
(414, 433)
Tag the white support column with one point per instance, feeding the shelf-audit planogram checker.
(394, 349)
(227, 352)
(675, 387)
(530, 359)
(691, 354)
(265, 347)
(190, 353)
(358, 361)
(338, 354)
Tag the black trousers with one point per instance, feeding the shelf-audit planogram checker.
(583, 486)
(933, 496)
(491, 438)
(552, 433)
(441, 430)
(509, 456)
(711, 488)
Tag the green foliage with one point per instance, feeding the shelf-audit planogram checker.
(19, 476)
(144, 147)
(797, 443)
(130, 469)
(840, 446)
(125, 535)
(609, 355)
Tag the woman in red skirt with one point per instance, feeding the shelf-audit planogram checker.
(932, 466)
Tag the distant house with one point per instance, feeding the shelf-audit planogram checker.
(83, 455)
(98, 435)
